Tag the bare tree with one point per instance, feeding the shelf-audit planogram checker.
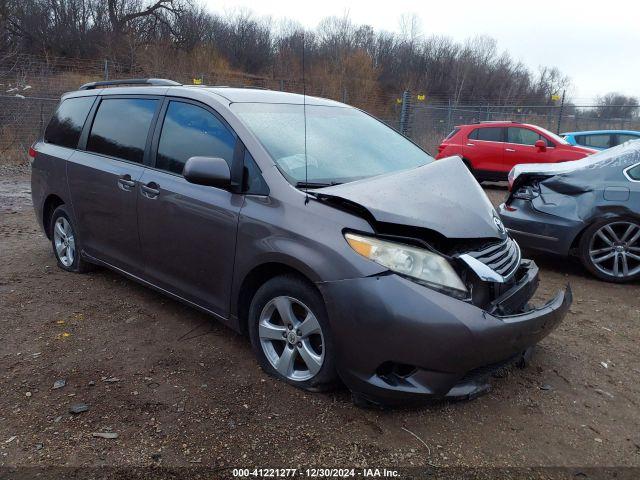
(341, 56)
(616, 105)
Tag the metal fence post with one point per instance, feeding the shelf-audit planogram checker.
(41, 122)
(449, 114)
(560, 112)
(106, 69)
(405, 113)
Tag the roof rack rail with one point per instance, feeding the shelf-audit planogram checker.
(160, 82)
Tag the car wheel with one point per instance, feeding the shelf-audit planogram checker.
(65, 242)
(290, 333)
(610, 249)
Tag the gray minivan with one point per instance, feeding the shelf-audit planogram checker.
(336, 244)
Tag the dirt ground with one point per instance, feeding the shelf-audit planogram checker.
(180, 389)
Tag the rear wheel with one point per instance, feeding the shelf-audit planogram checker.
(610, 249)
(290, 333)
(65, 242)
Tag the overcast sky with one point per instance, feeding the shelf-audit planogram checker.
(596, 44)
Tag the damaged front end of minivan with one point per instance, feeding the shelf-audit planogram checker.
(454, 304)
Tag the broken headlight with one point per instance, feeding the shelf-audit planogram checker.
(416, 263)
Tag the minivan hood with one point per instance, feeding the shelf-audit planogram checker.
(442, 196)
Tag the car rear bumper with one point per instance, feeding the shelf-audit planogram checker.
(399, 342)
(536, 230)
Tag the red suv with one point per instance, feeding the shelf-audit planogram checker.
(491, 149)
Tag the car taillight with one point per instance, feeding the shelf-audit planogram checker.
(32, 152)
(441, 148)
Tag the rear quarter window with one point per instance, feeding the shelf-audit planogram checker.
(634, 173)
(453, 132)
(65, 126)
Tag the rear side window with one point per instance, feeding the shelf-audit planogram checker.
(121, 126)
(453, 132)
(191, 131)
(490, 134)
(65, 126)
(599, 141)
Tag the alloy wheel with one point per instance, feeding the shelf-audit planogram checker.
(291, 338)
(64, 241)
(614, 249)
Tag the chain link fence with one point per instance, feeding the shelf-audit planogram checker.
(22, 120)
(429, 123)
(30, 88)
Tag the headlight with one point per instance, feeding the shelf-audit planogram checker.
(417, 263)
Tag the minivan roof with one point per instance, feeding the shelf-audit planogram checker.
(258, 95)
(231, 94)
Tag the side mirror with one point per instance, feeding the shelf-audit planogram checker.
(541, 145)
(209, 171)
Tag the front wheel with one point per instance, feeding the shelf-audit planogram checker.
(290, 333)
(610, 249)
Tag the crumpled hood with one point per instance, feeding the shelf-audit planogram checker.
(441, 196)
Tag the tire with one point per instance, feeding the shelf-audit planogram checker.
(610, 241)
(305, 359)
(65, 242)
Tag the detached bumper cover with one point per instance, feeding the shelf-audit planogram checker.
(398, 341)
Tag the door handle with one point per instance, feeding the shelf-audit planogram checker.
(150, 190)
(471, 144)
(125, 182)
(509, 150)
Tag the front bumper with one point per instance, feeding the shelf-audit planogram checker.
(399, 342)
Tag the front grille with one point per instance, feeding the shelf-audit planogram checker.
(503, 258)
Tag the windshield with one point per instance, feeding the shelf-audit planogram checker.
(343, 144)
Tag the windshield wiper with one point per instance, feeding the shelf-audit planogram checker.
(316, 184)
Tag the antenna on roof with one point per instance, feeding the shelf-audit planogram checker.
(304, 114)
